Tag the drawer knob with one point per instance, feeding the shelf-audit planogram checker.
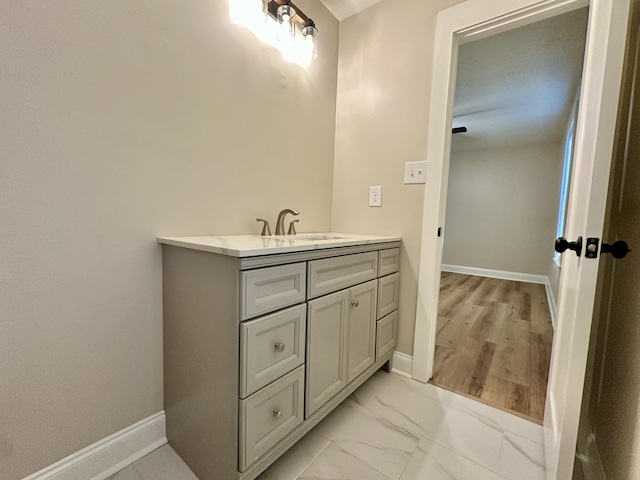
(277, 413)
(279, 347)
(354, 303)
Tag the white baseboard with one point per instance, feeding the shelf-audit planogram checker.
(551, 300)
(515, 276)
(501, 274)
(402, 364)
(111, 454)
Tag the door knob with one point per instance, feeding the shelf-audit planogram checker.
(618, 249)
(562, 245)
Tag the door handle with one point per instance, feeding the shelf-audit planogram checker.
(562, 245)
(618, 249)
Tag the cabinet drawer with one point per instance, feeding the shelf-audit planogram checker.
(389, 261)
(386, 334)
(267, 416)
(270, 347)
(388, 293)
(333, 274)
(267, 289)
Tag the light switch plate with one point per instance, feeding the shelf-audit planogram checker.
(375, 196)
(415, 172)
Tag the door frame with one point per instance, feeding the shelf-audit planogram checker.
(463, 23)
(473, 20)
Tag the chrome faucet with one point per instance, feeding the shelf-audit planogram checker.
(280, 222)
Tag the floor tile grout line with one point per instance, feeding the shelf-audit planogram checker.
(422, 435)
(469, 406)
(409, 461)
(135, 469)
(331, 442)
(460, 454)
(377, 416)
(492, 470)
(316, 456)
(500, 456)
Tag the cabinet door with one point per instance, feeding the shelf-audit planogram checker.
(326, 348)
(362, 327)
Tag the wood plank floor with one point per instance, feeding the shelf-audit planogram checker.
(494, 342)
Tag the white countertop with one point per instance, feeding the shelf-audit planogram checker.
(255, 245)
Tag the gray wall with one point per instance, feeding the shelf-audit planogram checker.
(502, 208)
(384, 88)
(121, 121)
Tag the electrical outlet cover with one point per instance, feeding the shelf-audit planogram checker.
(375, 196)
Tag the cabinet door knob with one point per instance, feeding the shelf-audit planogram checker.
(277, 413)
(279, 347)
(354, 303)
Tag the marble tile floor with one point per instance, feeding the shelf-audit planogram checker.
(394, 428)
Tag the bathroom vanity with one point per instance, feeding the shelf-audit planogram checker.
(264, 336)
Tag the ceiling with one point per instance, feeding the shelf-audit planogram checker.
(518, 87)
(515, 87)
(342, 9)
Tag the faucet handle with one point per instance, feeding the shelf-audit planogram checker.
(266, 231)
(292, 227)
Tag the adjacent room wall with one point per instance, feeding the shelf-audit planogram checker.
(384, 87)
(121, 121)
(502, 207)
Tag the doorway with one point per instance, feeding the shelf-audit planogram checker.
(595, 128)
(515, 100)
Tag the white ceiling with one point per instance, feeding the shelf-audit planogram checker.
(517, 87)
(342, 9)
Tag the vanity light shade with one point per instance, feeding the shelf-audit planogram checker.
(310, 33)
(286, 33)
(286, 13)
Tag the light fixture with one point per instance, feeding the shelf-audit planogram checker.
(286, 27)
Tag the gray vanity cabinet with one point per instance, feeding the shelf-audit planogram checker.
(258, 349)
